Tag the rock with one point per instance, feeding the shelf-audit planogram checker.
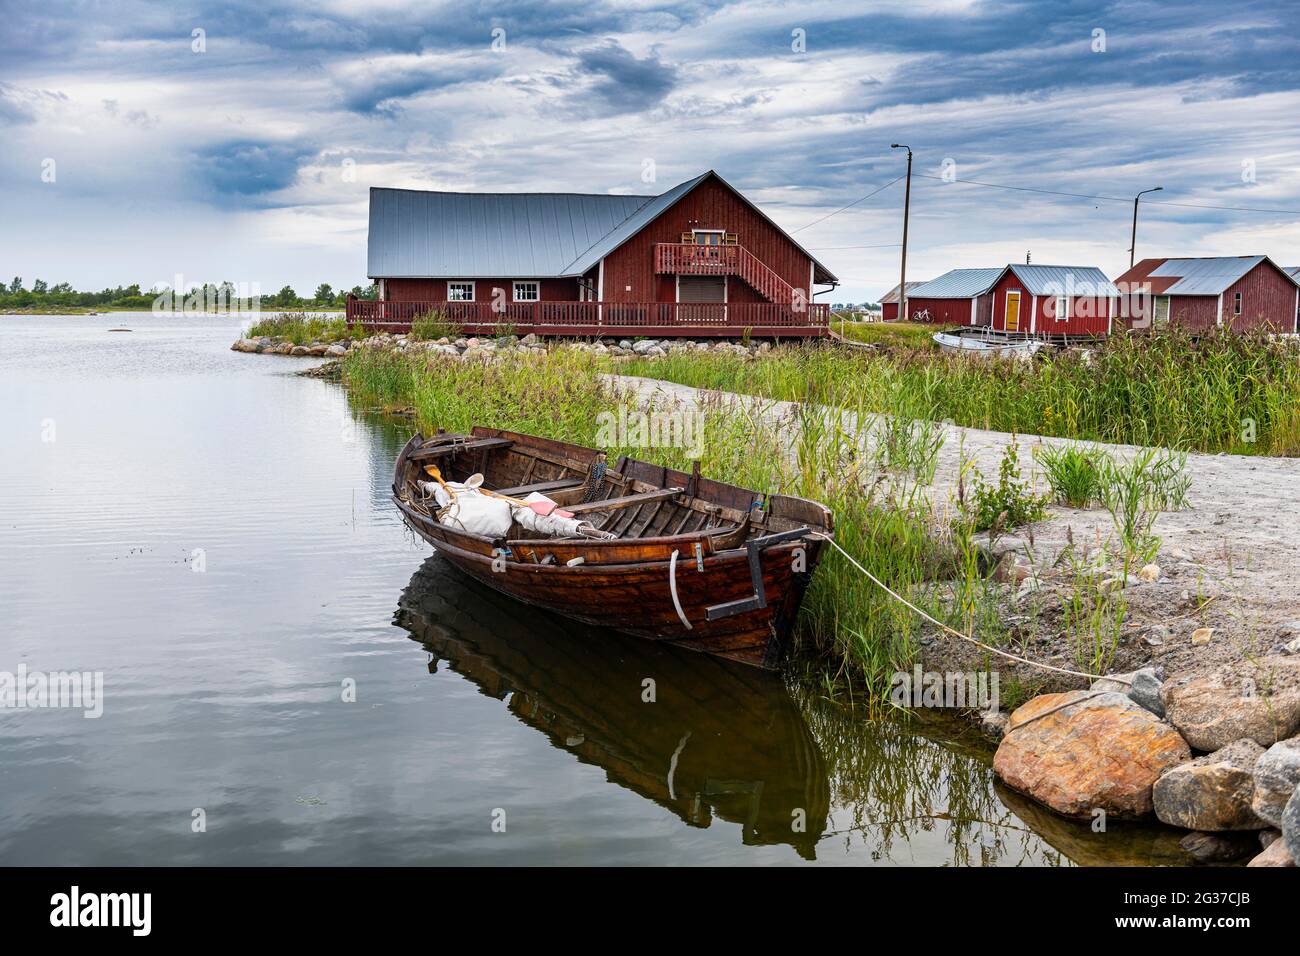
(1145, 691)
(1149, 573)
(1118, 582)
(530, 339)
(994, 724)
(625, 344)
(244, 345)
(1291, 825)
(1113, 683)
(336, 350)
(1218, 847)
(1275, 855)
(1212, 792)
(645, 345)
(1156, 635)
(1257, 699)
(1277, 774)
(1292, 646)
(1096, 752)
(1201, 636)
(654, 352)
(1266, 837)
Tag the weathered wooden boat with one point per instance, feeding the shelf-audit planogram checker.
(698, 563)
(721, 741)
(985, 343)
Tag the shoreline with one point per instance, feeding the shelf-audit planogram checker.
(1210, 612)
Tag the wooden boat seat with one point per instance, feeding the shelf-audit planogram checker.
(453, 448)
(613, 504)
(541, 487)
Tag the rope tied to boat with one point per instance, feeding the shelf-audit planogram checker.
(953, 631)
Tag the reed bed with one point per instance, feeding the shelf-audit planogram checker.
(300, 328)
(1228, 392)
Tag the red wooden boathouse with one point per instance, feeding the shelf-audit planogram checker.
(1239, 292)
(697, 260)
(1051, 301)
(958, 297)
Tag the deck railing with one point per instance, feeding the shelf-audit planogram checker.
(684, 258)
(665, 319)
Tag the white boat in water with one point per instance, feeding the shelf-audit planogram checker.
(985, 343)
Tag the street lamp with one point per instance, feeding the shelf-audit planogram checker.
(907, 203)
(1134, 241)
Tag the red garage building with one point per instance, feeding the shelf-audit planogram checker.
(699, 259)
(889, 302)
(1239, 292)
(1053, 301)
(958, 297)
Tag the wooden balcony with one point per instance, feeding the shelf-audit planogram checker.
(596, 319)
(685, 258)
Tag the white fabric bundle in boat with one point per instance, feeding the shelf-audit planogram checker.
(552, 524)
(472, 510)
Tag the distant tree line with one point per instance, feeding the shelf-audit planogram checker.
(211, 296)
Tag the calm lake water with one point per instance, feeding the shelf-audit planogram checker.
(213, 533)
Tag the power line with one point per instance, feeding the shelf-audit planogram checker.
(1123, 199)
(881, 245)
(849, 206)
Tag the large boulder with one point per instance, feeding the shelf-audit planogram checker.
(1291, 825)
(1213, 792)
(1219, 847)
(1277, 774)
(1259, 700)
(1275, 855)
(1079, 752)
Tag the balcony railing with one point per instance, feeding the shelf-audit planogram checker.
(761, 319)
(685, 258)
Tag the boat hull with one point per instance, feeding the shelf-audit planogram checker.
(637, 598)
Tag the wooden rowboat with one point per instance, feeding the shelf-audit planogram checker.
(695, 562)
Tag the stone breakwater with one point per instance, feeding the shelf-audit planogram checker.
(1217, 755)
(484, 347)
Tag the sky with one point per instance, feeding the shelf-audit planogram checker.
(238, 140)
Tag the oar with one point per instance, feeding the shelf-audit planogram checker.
(542, 508)
(436, 475)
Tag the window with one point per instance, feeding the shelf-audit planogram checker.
(460, 292)
(529, 291)
(1062, 308)
(1236, 303)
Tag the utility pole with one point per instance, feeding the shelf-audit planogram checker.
(907, 204)
(1134, 241)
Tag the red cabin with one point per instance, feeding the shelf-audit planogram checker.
(697, 260)
(1239, 292)
(889, 302)
(958, 297)
(1053, 301)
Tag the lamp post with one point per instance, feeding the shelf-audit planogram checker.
(1134, 241)
(907, 203)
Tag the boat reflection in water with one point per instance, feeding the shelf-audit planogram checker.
(701, 736)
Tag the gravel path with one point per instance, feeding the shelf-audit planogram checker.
(1236, 544)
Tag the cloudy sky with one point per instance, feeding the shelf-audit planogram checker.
(237, 140)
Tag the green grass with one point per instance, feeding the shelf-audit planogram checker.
(910, 334)
(1229, 392)
(301, 329)
(434, 325)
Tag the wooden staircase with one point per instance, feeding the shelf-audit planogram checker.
(690, 259)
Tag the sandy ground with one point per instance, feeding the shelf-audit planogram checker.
(1235, 547)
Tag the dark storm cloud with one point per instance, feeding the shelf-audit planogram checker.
(621, 81)
(246, 170)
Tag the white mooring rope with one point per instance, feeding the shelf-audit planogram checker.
(955, 633)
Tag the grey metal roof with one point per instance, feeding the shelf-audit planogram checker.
(956, 284)
(634, 223)
(1205, 276)
(415, 233)
(892, 294)
(1063, 280)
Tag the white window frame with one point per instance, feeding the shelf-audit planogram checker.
(535, 283)
(696, 233)
(472, 290)
(1236, 303)
(1062, 315)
